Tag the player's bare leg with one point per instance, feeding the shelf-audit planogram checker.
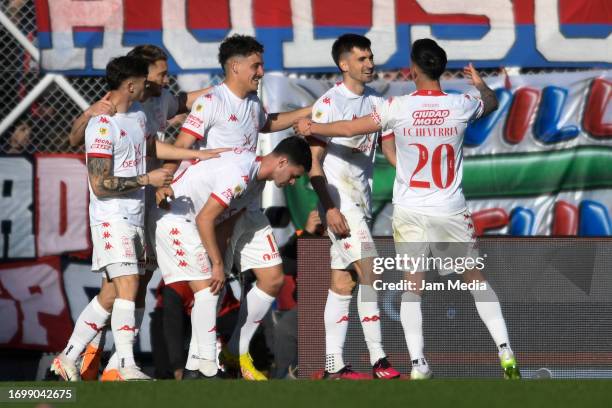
(253, 309)
(369, 316)
(489, 310)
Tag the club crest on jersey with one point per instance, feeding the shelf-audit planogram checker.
(238, 190)
(199, 107)
(318, 114)
(103, 131)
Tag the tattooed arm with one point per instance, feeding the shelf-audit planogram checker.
(104, 184)
(489, 99)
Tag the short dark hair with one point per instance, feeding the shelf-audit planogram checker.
(346, 42)
(121, 68)
(149, 52)
(429, 56)
(297, 151)
(242, 45)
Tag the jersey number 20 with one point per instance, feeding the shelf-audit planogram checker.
(436, 166)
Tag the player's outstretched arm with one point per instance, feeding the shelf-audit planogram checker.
(341, 128)
(165, 151)
(205, 221)
(335, 219)
(104, 106)
(489, 99)
(104, 184)
(281, 121)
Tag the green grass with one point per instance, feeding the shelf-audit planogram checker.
(319, 394)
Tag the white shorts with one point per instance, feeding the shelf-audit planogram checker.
(358, 245)
(252, 245)
(419, 235)
(180, 253)
(116, 242)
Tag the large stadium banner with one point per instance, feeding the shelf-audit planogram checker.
(79, 37)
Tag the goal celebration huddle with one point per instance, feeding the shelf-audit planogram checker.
(191, 209)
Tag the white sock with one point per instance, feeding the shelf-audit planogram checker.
(204, 325)
(113, 361)
(252, 311)
(89, 324)
(95, 342)
(193, 360)
(123, 323)
(336, 324)
(412, 323)
(369, 316)
(489, 310)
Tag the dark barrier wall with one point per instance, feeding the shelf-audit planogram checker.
(555, 293)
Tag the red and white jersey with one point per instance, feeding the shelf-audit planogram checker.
(229, 179)
(121, 138)
(349, 162)
(429, 127)
(221, 119)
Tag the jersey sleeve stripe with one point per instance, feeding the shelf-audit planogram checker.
(192, 133)
(100, 155)
(219, 200)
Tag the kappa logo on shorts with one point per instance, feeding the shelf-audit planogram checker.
(108, 246)
(343, 319)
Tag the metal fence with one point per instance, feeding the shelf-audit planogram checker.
(37, 109)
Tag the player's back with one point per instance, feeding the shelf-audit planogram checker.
(224, 179)
(429, 128)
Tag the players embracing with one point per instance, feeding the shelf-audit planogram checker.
(428, 201)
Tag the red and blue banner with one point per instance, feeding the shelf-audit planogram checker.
(79, 37)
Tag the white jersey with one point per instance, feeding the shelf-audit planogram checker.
(349, 162)
(121, 138)
(221, 119)
(231, 180)
(429, 127)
